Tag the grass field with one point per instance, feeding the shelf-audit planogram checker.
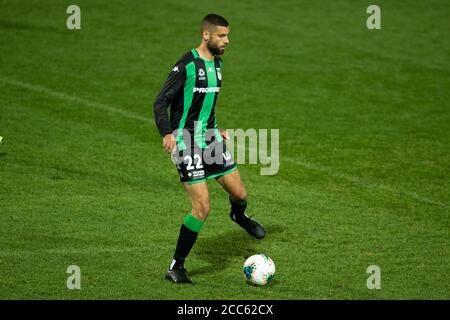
(364, 119)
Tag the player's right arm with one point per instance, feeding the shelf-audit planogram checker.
(169, 142)
(174, 83)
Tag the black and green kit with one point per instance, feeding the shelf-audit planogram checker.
(191, 91)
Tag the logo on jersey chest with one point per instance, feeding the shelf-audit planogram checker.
(219, 75)
(201, 74)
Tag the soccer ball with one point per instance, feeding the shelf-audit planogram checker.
(259, 269)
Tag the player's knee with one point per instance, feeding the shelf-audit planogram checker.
(201, 208)
(205, 206)
(241, 195)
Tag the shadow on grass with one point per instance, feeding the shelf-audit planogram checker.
(222, 248)
(15, 26)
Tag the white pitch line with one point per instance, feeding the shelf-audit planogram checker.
(67, 97)
(59, 251)
(358, 180)
(362, 181)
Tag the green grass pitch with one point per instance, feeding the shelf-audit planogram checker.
(364, 121)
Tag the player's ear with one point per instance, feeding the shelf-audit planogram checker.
(205, 35)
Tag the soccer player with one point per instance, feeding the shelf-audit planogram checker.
(195, 141)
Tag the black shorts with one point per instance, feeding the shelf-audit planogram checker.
(197, 165)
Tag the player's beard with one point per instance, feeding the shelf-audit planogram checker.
(215, 49)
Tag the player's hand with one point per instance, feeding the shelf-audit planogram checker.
(224, 134)
(169, 143)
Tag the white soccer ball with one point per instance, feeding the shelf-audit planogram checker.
(259, 269)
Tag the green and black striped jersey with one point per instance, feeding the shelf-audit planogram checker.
(191, 90)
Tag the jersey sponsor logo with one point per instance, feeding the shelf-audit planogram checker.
(210, 69)
(206, 90)
(196, 174)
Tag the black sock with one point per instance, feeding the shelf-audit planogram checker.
(238, 208)
(186, 241)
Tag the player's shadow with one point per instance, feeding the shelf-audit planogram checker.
(222, 248)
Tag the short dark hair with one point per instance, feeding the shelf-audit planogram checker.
(213, 19)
